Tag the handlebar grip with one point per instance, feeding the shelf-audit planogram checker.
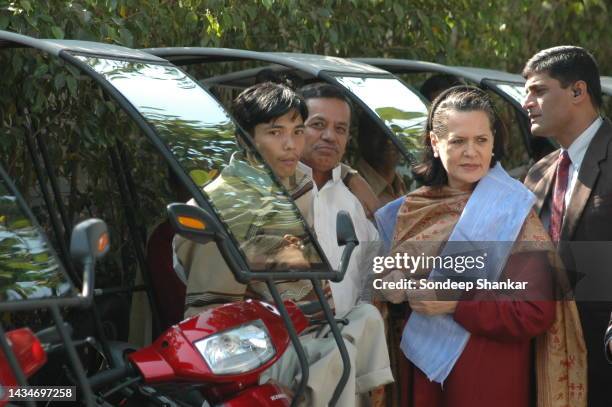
(51, 334)
(106, 377)
(310, 308)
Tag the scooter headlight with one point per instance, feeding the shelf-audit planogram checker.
(238, 350)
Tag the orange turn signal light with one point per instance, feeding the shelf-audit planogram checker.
(191, 223)
(103, 242)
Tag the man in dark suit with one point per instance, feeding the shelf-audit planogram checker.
(573, 186)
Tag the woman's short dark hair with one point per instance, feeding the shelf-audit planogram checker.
(430, 170)
(265, 102)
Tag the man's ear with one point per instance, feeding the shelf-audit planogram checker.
(579, 91)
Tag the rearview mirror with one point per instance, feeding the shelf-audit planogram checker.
(346, 236)
(192, 222)
(89, 242)
(196, 224)
(345, 231)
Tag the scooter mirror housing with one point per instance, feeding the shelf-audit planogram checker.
(345, 231)
(346, 236)
(89, 242)
(192, 222)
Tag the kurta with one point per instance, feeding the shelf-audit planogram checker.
(494, 368)
(260, 218)
(323, 208)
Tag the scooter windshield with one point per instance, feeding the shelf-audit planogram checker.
(515, 90)
(242, 189)
(29, 268)
(402, 110)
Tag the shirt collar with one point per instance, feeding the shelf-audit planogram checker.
(304, 168)
(336, 172)
(298, 181)
(578, 148)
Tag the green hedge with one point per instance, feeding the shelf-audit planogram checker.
(485, 33)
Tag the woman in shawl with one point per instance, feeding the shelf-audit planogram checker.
(475, 350)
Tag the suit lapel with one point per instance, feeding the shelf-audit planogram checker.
(589, 171)
(540, 178)
(543, 186)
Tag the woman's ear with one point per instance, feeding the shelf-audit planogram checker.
(434, 140)
(434, 144)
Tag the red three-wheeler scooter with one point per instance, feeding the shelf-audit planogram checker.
(216, 356)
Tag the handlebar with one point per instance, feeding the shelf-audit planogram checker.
(109, 376)
(310, 308)
(51, 334)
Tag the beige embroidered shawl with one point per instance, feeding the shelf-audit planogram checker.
(430, 214)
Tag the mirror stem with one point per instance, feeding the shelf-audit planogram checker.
(88, 280)
(344, 261)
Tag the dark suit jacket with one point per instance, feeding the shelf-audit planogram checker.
(586, 248)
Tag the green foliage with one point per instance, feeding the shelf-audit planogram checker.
(479, 32)
(26, 267)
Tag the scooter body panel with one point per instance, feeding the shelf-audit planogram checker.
(28, 352)
(174, 357)
(267, 395)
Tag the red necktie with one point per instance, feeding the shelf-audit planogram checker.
(558, 197)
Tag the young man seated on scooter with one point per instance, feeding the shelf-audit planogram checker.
(274, 115)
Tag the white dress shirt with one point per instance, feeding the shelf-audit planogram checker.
(576, 152)
(327, 201)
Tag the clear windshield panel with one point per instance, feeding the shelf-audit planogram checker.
(515, 90)
(402, 110)
(241, 188)
(29, 268)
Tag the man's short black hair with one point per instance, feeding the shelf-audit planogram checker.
(265, 102)
(325, 91)
(568, 64)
